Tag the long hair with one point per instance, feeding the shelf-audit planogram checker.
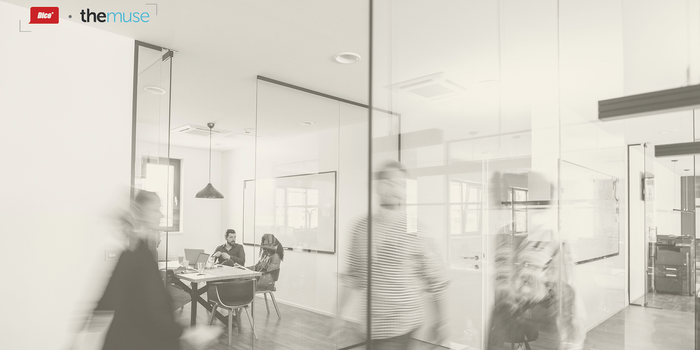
(265, 248)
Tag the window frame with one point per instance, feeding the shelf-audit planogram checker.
(519, 210)
(466, 206)
(176, 187)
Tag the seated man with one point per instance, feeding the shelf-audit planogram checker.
(230, 253)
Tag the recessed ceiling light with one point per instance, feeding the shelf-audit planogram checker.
(346, 57)
(307, 122)
(667, 132)
(154, 90)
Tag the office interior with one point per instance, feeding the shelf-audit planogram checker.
(491, 106)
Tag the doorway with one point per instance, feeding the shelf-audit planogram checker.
(662, 268)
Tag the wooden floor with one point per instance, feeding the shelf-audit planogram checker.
(298, 329)
(684, 303)
(634, 328)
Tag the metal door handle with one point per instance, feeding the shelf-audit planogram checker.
(475, 257)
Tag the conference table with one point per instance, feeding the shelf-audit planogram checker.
(210, 275)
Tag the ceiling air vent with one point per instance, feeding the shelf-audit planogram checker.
(198, 130)
(246, 132)
(429, 87)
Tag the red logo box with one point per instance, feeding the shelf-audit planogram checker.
(43, 15)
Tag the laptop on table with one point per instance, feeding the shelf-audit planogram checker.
(191, 255)
(202, 258)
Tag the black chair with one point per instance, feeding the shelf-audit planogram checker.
(179, 297)
(233, 296)
(522, 332)
(270, 290)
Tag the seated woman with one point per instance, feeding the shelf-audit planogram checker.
(271, 254)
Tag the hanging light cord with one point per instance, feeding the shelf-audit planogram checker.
(210, 127)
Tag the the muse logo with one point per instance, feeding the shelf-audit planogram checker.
(43, 15)
(114, 17)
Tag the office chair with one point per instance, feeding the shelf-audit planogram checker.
(523, 332)
(275, 276)
(179, 297)
(233, 296)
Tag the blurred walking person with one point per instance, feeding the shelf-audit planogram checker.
(405, 266)
(143, 311)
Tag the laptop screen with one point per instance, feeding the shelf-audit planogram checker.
(202, 258)
(191, 255)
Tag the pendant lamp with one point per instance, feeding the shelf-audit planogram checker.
(209, 191)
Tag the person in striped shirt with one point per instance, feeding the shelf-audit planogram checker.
(404, 267)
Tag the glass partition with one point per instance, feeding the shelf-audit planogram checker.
(535, 208)
(309, 189)
(152, 168)
(474, 201)
(436, 215)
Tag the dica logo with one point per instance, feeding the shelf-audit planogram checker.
(114, 17)
(43, 15)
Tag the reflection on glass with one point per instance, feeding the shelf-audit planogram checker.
(161, 175)
(465, 211)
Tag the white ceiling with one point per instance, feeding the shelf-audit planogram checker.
(538, 54)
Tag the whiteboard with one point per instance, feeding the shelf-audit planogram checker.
(589, 212)
(300, 210)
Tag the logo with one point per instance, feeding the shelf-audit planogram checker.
(88, 16)
(43, 15)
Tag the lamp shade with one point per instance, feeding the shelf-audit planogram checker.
(209, 192)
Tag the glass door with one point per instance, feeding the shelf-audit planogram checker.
(650, 229)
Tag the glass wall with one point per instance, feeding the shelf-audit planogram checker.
(532, 205)
(152, 168)
(474, 201)
(308, 191)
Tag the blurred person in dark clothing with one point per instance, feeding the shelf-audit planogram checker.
(230, 253)
(405, 267)
(143, 312)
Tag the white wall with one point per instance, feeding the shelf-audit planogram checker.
(65, 104)
(237, 166)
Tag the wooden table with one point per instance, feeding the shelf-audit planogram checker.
(210, 275)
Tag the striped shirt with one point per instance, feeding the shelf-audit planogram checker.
(405, 266)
